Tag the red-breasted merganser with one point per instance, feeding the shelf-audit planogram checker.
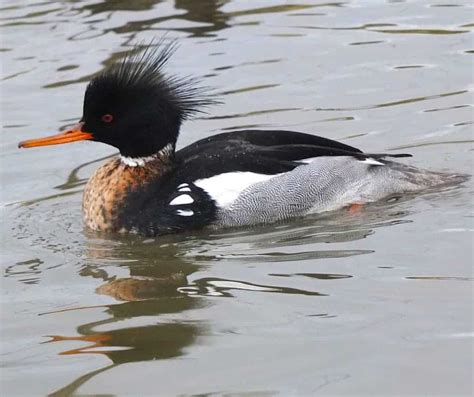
(238, 178)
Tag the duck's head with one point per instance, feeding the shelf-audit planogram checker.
(134, 106)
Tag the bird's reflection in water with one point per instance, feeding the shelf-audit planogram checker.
(141, 288)
(206, 14)
(138, 327)
(146, 322)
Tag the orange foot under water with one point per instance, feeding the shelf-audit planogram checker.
(355, 208)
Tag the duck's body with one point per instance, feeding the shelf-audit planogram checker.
(242, 178)
(231, 179)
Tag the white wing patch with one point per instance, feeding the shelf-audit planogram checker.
(225, 188)
(184, 187)
(370, 161)
(185, 212)
(182, 199)
(307, 161)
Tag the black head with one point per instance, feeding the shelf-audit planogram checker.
(135, 107)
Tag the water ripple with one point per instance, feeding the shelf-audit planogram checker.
(394, 103)
(221, 287)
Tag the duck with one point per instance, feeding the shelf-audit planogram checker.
(231, 179)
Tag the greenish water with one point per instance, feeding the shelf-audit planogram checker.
(373, 303)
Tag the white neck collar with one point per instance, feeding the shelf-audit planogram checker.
(141, 161)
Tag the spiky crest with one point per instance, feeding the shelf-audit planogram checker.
(142, 69)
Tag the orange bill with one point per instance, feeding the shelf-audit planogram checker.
(72, 135)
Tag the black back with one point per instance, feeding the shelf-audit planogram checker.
(149, 212)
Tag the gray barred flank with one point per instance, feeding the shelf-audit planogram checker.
(326, 184)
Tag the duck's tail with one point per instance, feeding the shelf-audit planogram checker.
(419, 178)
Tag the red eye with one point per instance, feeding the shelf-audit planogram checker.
(107, 118)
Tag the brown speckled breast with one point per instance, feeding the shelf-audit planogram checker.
(107, 189)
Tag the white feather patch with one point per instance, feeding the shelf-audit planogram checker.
(365, 161)
(184, 187)
(141, 161)
(307, 161)
(225, 188)
(136, 161)
(370, 161)
(185, 212)
(182, 199)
